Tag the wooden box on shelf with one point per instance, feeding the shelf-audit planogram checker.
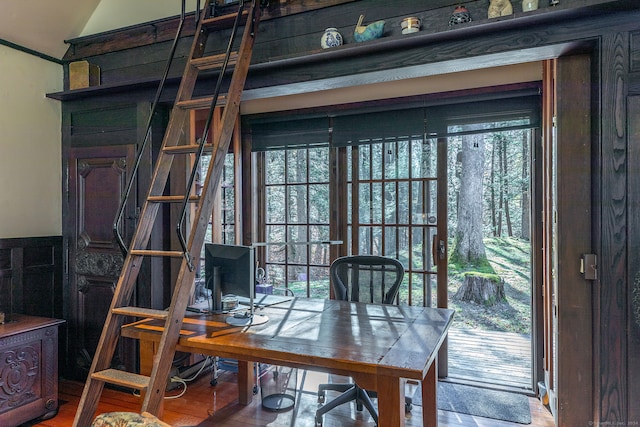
(28, 369)
(82, 74)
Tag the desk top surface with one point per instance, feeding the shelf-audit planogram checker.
(313, 333)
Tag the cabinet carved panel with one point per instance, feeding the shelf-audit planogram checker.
(28, 369)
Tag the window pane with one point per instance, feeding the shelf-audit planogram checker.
(424, 157)
(296, 166)
(377, 161)
(424, 202)
(276, 210)
(275, 166)
(318, 165)
(297, 204)
(376, 205)
(365, 203)
(319, 203)
(275, 275)
(403, 202)
(319, 282)
(403, 157)
(365, 161)
(390, 202)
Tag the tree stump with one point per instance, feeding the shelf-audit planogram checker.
(481, 289)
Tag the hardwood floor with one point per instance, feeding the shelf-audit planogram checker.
(203, 405)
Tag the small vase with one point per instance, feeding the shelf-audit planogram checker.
(331, 38)
(529, 5)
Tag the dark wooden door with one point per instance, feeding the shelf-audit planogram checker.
(97, 180)
(568, 207)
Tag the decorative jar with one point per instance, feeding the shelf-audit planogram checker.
(331, 38)
(410, 25)
(460, 15)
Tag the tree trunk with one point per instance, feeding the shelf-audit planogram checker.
(505, 193)
(469, 247)
(481, 290)
(525, 232)
(492, 186)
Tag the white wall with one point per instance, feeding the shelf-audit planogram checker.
(30, 141)
(112, 14)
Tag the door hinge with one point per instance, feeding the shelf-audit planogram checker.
(589, 266)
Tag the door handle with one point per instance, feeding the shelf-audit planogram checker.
(437, 249)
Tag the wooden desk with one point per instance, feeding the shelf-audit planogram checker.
(380, 346)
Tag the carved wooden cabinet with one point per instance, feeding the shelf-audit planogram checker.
(28, 369)
(100, 140)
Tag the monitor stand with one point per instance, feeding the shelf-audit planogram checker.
(246, 319)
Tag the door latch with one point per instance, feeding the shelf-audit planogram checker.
(589, 266)
(437, 249)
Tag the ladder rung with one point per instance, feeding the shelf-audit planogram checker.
(122, 378)
(141, 312)
(187, 149)
(213, 62)
(201, 102)
(173, 254)
(172, 199)
(223, 21)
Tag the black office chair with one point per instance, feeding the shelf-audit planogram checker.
(364, 278)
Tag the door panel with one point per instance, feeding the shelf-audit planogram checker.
(97, 180)
(568, 204)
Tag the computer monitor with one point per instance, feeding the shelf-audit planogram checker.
(230, 270)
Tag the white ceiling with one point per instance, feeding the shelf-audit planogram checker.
(43, 25)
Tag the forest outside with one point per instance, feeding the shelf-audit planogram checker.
(510, 258)
(489, 224)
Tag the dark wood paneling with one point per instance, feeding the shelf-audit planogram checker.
(633, 289)
(572, 176)
(288, 52)
(31, 275)
(612, 271)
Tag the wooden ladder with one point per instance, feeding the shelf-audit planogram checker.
(173, 145)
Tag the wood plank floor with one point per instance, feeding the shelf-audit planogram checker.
(203, 405)
(496, 359)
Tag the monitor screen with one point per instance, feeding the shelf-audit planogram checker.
(229, 270)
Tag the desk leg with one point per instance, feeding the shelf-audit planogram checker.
(430, 396)
(147, 351)
(391, 401)
(246, 381)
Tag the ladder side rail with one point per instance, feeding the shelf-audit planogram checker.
(154, 105)
(153, 398)
(205, 135)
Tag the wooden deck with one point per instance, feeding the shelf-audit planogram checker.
(496, 359)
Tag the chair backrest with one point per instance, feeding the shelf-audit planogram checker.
(366, 278)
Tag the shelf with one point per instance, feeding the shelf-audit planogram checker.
(517, 20)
